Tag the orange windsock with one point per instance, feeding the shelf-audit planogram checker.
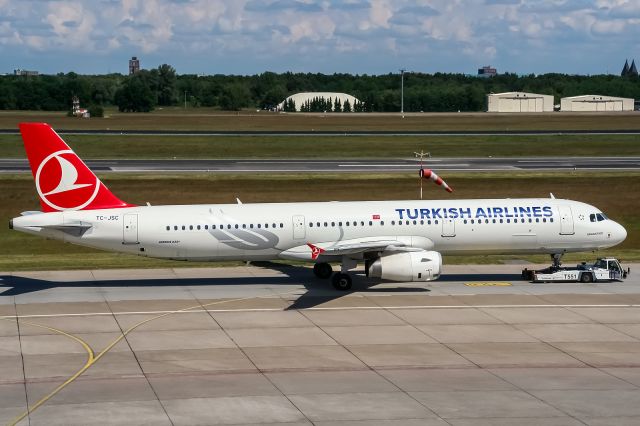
(430, 175)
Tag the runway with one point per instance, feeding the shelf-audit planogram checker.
(312, 132)
(471, 164)
(271, 345)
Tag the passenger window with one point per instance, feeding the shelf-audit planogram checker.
(198, 227)
(236, 226)
(501, 221)
(472, 221)
(206, 227)
(494, 221)
(333, 224)
(251, 225)
(310, 224)
(259, 225)
(465, 221)
(429, 222)
(318, 224)
(551, 220)
(421, 221)
(393, 222)
(282, 225)
(229, 226)
(266, 225)
(184, 228)
(370, 223)
(436, 222)
(175, 228)
(382, 223)
(273, 225)
(325, 224)
(544, 219)
(168, 228)
(339, 223)
(508, 220)
(362, 223)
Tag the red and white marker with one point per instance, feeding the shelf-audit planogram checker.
(430, 174)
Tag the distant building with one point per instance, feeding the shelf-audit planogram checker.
(629, 71)
(487, 71)
(595, 103)
(519, 102)
(25, 72)
(134, 65)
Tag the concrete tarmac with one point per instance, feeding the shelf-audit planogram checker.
(272, 345)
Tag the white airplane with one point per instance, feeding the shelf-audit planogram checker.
(398, 240)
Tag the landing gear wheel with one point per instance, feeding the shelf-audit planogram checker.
(322, 270)
(586, 278)
(341, 281)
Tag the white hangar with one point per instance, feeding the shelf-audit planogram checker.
(519, 102)
(301, 98)
(596, 103)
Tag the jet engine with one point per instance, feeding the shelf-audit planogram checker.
(408, 266)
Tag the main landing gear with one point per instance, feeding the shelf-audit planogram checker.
(341, 280)
(322, 270)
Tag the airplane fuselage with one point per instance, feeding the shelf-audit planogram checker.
(271, 231)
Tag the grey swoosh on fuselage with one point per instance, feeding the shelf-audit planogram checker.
(243, 239)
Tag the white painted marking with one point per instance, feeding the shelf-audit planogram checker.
(342, 308)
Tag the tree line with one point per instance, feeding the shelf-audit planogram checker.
(162, 86)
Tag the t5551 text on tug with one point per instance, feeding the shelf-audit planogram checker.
(397, 240)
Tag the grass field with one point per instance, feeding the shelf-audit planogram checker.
(618, 194)
(183, 147)
(207, 119)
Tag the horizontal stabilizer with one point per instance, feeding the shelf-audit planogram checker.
(77, 229)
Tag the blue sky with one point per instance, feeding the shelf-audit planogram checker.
(353, 36)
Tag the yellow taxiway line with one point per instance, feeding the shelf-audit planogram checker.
(92, 358)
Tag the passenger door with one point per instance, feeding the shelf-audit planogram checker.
(130, 229)
(566, 221)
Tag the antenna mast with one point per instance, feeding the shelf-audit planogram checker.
(421, 156)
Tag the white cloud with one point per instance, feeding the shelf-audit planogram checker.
(265, 31)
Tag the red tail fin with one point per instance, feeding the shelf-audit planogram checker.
(63, 181)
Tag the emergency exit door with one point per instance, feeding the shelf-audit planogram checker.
(130, 229)
(448, 228)
(299, 230)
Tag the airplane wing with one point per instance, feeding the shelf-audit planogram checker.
(312, 251)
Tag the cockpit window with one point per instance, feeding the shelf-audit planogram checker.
(592, 217)
(600, 217)
(597, 217)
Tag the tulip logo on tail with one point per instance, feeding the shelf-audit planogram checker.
(315, 251)
(59, 184)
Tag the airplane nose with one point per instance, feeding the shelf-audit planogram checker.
(619, 233)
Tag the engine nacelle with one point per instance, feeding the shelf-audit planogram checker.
(407, 266)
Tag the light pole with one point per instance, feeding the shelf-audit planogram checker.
(185, 99)
(402, 70)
